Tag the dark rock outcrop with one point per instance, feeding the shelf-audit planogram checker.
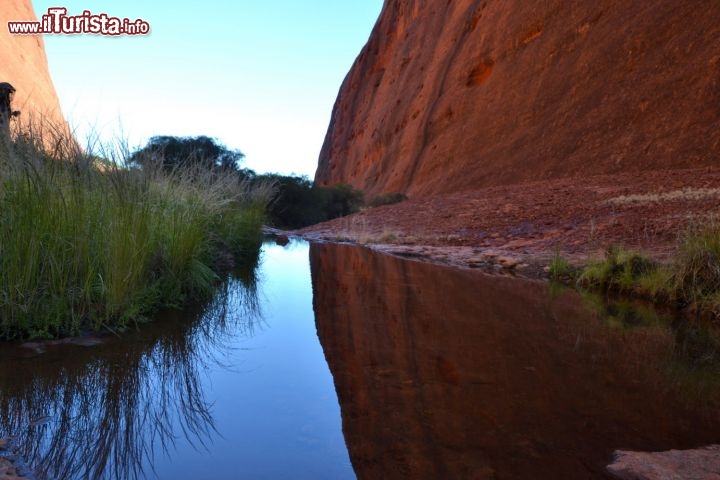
(450, 95)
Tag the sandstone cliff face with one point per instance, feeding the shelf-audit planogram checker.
(24, 65)
(450, 95)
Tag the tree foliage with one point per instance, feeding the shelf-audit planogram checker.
(174, 152)
(299, 202)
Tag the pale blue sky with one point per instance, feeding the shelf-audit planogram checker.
(260, 76)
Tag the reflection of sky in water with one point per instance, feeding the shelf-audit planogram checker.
(221, 395)
(275, 409)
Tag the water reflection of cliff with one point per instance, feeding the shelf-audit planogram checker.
(444, 373)
(105, 412)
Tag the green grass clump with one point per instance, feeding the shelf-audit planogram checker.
(691, 281)
(621, 270)
(697, 273)
(86, 248)
(560, 268)
(387, 199)
(656, 283)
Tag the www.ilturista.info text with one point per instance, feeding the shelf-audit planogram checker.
(57, 21)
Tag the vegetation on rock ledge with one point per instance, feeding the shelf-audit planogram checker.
(690, 282)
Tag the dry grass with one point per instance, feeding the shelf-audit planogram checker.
(685, 194)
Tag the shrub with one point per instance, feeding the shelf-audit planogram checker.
(387, 199)
(340, 200)
(299, 202)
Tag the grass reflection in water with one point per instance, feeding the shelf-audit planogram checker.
(103, 412)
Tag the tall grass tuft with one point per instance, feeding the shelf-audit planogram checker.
(87, 245)
(620, 270)
(697, 275)
(691, 281)
(560, 269)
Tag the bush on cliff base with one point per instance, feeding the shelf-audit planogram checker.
(299, 202)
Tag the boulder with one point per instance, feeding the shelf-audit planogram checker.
(699, 464)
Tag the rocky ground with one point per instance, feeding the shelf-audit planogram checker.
(519, 228)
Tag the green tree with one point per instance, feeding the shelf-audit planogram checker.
(299, 202)
(173, 152)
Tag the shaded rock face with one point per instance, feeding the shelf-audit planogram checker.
(24, 65)
(447, 373)
(450, 95)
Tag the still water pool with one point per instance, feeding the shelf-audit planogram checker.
(331, 361)
(237, 389)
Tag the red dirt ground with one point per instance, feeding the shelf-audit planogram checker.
(520, 227)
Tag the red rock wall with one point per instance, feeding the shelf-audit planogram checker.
(456, 94)
(24, 65)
